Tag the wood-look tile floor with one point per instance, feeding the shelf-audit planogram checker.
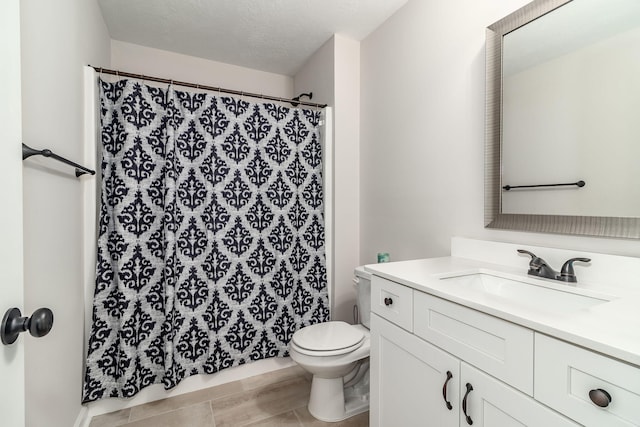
(274, 399)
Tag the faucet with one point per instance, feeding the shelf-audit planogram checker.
(539, 267)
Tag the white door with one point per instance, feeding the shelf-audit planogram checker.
(413, 383)
(11, 291)
(487, 402)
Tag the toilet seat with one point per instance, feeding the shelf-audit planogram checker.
(328, 339)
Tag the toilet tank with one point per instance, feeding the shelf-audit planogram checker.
(363, 283)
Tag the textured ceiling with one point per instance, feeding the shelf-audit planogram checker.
(269, 35)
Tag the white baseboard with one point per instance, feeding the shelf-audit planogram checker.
(83, 419)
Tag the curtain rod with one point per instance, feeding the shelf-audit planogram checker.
(294, 102)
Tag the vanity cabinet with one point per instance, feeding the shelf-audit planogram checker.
(444, 356)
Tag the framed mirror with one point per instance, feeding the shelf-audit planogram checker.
(563, 119)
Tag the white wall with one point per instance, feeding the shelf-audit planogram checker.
(422, 134)
(317, 75)
(160, 63)
(346, 173)
(58, 38)
(333, 75)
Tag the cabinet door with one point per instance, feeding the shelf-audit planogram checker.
(408, 376)
(491, 403)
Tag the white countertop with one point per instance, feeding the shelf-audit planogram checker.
(611, 328)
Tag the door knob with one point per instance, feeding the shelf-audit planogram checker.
(38, 325)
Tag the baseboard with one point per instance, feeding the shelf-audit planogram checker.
(83, 419)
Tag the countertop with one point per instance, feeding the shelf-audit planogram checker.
(611, 327)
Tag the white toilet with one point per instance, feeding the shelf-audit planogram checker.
(337, 354)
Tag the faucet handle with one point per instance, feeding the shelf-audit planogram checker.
(535, 264)
(567, 274)
(531, 254)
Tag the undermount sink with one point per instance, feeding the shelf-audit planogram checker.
(532, 293)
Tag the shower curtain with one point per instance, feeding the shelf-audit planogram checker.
(211, 235)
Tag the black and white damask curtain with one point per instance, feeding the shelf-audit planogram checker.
(211, 235)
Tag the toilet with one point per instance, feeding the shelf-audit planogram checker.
(337, 355)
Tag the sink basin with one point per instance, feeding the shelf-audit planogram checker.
(532, 293)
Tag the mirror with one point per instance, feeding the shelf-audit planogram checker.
(562, 130)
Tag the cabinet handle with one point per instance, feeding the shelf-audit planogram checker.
(444, 390)
(464, 404)
(388, 301)
(600, 397)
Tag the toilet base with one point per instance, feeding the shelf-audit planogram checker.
(330, 401)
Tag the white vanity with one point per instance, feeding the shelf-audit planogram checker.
(467, 340)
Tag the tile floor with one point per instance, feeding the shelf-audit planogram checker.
(274, 399)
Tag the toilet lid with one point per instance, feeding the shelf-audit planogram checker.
(329, 336)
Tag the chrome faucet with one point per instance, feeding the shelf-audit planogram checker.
(539, 267)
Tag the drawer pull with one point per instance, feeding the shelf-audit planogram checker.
(600, 397)
(444, 390)
(464, 404)
(388, 301)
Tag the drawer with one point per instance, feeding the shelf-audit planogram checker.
(498, 347)
(392, 301)
(565, 374)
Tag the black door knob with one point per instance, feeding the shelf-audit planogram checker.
(38, 325)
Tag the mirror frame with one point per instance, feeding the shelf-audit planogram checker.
(622, 227)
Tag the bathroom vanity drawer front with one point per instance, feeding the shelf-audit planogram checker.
(392, 301)
(565, 375)
(500, 348)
